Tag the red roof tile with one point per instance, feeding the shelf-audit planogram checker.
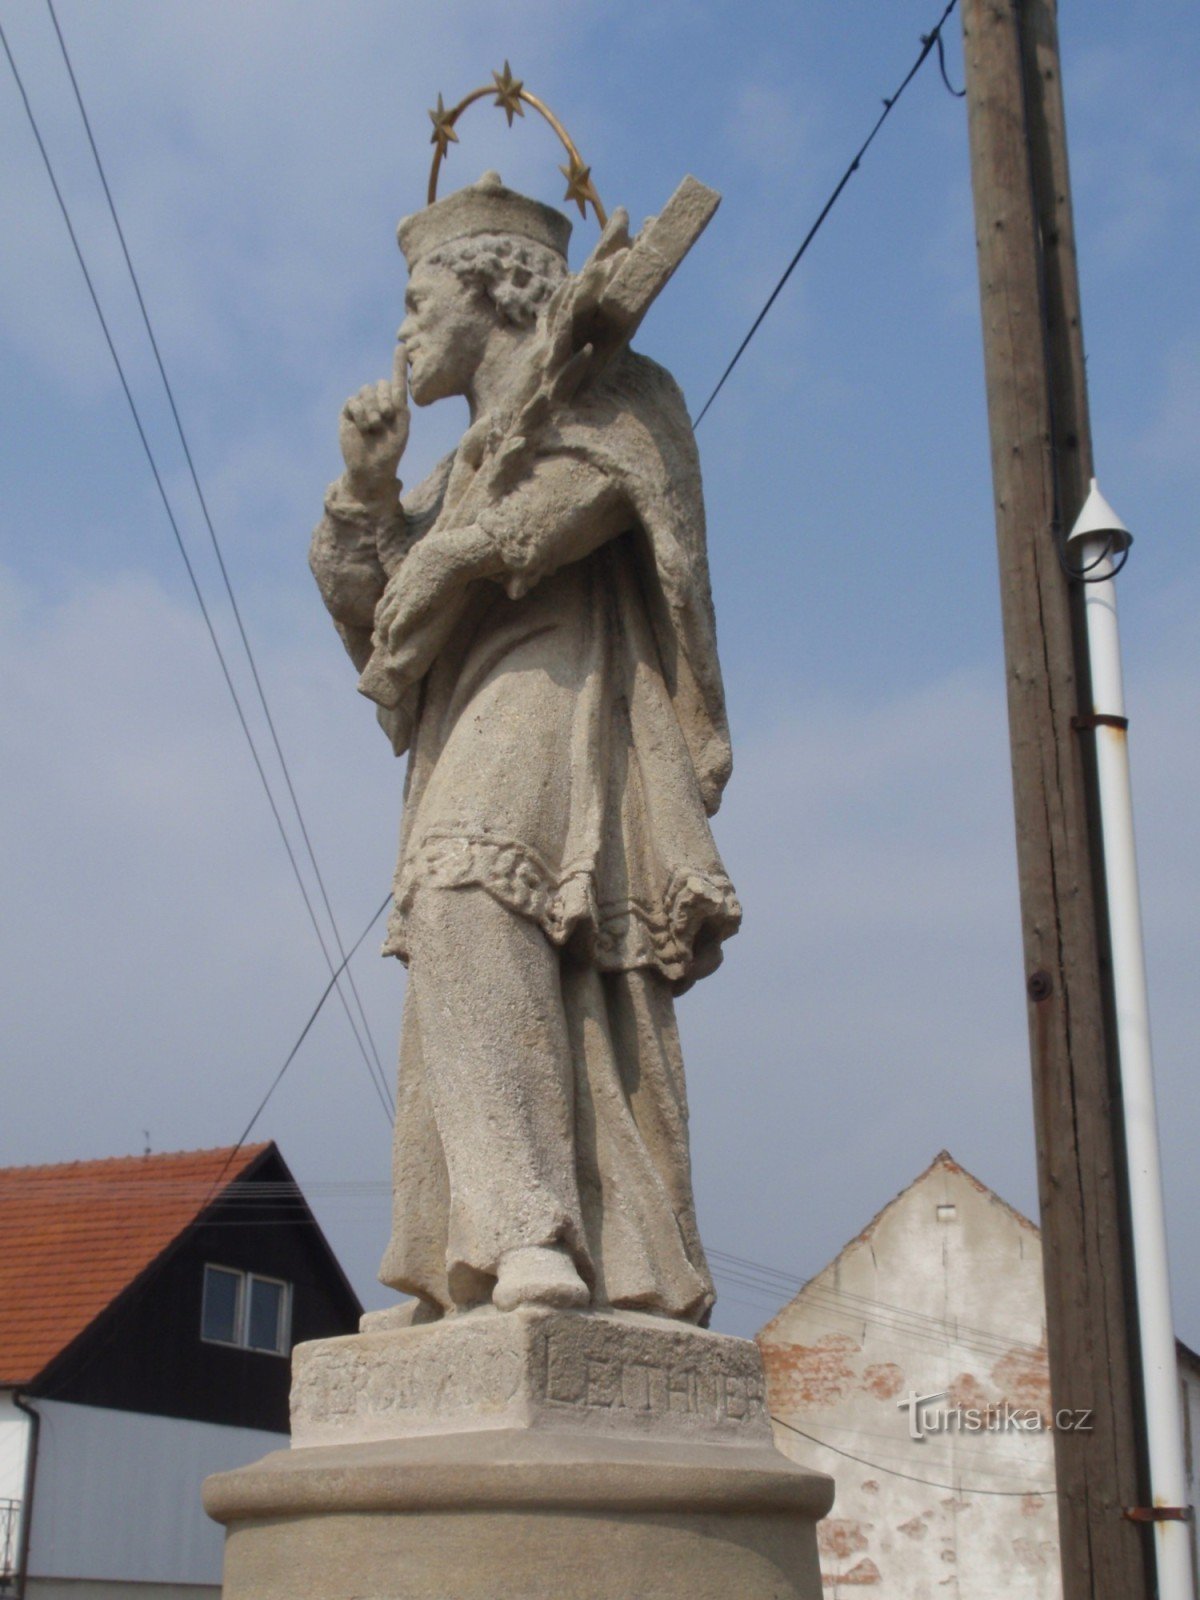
(72, 1237)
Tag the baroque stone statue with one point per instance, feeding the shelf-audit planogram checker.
(549, 1415)
(535, 623)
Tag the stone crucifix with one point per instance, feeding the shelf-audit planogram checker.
(535, 624)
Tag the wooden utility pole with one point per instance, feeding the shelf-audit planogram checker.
(1041, 462)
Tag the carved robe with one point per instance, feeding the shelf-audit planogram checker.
(568, 744)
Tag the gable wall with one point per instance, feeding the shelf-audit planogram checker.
(924, 1305)
(146, 1354)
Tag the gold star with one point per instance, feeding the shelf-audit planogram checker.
(508, 95)
(579, 185)
(443, 128)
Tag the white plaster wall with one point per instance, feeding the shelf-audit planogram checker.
(117, 1496)
(14, 1445)
(925, 1305)
(14, 1438)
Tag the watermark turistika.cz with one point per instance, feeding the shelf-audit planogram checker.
(926, 1415)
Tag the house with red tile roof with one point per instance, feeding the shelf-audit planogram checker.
(148, 1307)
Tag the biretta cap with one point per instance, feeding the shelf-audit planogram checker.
(483, 207)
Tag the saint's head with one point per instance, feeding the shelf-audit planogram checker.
(482, 265)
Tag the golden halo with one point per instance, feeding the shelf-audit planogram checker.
(512, 96)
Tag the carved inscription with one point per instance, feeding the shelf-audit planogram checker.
(599, 1380)
(563, 1369)
(333, 1384)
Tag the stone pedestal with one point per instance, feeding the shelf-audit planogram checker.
(538, 1455)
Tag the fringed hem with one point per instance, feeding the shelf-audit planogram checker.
(693, 914)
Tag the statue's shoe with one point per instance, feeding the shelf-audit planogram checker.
(539, 1276)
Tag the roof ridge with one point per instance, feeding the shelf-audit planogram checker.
(227, 1150)
(944, 1160)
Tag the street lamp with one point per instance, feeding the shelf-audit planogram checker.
(1096, 550)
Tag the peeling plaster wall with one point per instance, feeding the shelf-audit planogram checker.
(941, 1294)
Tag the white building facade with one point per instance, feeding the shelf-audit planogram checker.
(915, 1367)
(118, 1499)
(148, 1308)
(914, 1370)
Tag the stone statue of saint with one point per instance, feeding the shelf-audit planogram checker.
(536, 624)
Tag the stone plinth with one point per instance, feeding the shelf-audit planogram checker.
(534, 1455)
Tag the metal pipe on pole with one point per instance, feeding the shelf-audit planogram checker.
(1041, 463)
(1097, 538)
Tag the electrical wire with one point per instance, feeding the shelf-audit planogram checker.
(379, 1084)
(794, 1284)
(929, 1483)
(284, 1195)
(928, 41)
(291, 1055)
(897, 1331)
(212, 534)
(898, 1319)
(276, 1194)
(959, 94)
(827, 1312)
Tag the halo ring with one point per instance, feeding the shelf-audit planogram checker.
(510, 94)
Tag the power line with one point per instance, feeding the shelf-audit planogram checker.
(898, 1319)
(897, 1330)
(287, 1194)
(796, 1283)
(217, 550)
(291, 1055)
(212, 533)
(827, 1312)
(379, 1086)
(928, 42)
(313, 1015)
(877, 1466)
(789, 1281)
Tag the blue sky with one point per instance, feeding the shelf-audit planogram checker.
(872, 1011)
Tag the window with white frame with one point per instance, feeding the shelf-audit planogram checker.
(244, 1309)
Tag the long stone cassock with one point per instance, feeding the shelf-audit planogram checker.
(567, 746)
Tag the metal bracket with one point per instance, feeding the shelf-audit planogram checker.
(1099, 719)
(1159, 1514)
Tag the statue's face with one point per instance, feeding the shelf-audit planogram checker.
(445, 332)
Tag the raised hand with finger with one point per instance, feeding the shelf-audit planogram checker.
(372, 432)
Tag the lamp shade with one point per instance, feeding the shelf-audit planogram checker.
(1098, 520)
